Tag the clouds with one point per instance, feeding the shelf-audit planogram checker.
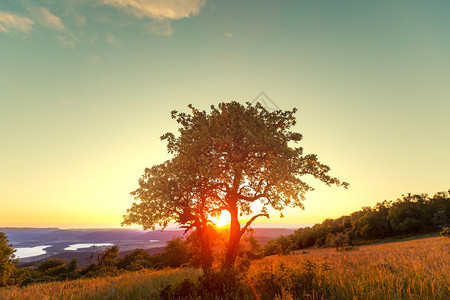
(159, 9)
(12, 22)
(70, 18)
(44, 17)
(161, 12)
(66, 42)
(163, 27)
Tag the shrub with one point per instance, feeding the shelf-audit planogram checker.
(49, 264)
(445, 232)
(7, 261)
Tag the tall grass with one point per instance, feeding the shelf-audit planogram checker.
(418, 269)
(133, 285)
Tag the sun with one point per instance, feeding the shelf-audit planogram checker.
(223, 219)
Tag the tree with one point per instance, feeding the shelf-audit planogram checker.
(167, 192)
(339, 239)
(176, 253)
(7, 260)
(231, 157)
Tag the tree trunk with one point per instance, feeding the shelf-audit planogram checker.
(206, 252)
(233, 243)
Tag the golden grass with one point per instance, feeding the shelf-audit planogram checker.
(133, 285)
(417, 269)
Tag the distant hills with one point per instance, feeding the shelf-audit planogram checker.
(127, 239)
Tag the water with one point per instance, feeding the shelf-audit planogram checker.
(30, 251)
(81, 246)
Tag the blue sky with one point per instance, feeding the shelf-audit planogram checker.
(86, 88)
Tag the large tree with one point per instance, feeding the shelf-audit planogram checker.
(236, 155)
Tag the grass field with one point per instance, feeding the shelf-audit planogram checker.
(416, 269)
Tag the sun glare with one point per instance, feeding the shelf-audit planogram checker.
(223, 219)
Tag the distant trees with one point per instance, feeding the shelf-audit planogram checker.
(7, 261)
(281, 245)
(227, 159)
(338, 239)
(410, 214)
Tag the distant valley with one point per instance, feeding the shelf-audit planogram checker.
(35, 244)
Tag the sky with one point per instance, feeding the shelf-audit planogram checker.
(86, 90)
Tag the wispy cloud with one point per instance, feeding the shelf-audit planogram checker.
(159, 9)
(44, 17)
(66, 42)
(160, 27)
(12, 22)
(112, 40)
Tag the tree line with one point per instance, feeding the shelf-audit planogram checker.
(410, 214)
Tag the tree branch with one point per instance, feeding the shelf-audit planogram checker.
(251, 221)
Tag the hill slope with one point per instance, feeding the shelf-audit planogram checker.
(416, 269)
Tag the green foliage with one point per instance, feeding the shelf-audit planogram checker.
(49, 264)
(411, 214)
(338, 239)
(445, 232)
(52, 269)
(176, 253)
(250, 247)
(7, 261)
(136, 260)
(440, 219)
(106, 264)
(281, 245)
(109, 257)
(243, 154)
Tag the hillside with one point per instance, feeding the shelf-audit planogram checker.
(128, 240)
(416, 269)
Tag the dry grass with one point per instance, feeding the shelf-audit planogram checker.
(135, 285)
(417, 269)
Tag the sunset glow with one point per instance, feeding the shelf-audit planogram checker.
(222, 220)
(87, 89)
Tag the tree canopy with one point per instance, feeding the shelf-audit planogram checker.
(227, 159)
(7, 260)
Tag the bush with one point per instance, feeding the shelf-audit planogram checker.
(50, 263)
(7, 261)
(445, 232)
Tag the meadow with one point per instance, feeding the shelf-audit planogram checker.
(415, 269)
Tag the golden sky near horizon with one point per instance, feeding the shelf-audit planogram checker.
(86, 91)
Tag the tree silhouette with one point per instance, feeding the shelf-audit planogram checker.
(227, 159)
